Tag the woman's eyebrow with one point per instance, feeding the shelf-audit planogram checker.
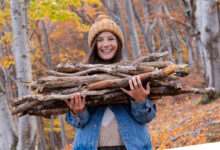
(110, 36)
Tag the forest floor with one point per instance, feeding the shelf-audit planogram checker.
(181, 122)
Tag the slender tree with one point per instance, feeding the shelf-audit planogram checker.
(137, 17)
(41, 133)
(208, 23)
(150, 23)
(132, 29)
(21, 50)
(8, 138)
(6, 125)
(165, 36)
(50, 66)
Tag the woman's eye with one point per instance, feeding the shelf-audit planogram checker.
(99, 40)
(111, 39)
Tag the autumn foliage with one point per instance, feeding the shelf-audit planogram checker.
(180, 122)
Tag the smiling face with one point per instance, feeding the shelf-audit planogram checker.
(106, 45)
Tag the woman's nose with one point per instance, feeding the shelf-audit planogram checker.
(105, 43)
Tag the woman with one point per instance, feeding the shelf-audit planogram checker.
(111, 127)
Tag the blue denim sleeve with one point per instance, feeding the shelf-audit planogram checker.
(77, 121)
(143, 112)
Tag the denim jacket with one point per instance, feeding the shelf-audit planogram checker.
(131, 119)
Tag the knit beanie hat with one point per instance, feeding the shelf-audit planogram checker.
(104, 23)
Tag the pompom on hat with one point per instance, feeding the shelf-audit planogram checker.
(104, 23)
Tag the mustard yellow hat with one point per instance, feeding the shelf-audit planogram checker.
(104, 23)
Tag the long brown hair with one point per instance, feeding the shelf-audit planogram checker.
(95, 59)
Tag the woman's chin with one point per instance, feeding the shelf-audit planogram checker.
(107, 58)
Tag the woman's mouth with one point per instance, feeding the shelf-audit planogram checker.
(106, 51)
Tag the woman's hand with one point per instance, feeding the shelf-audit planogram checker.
(76, 104)
(138, 93)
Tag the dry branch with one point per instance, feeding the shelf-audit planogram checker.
(102, 70)
(125, 69)
(25, 106)
(57, 74)
(94, 98)
(160, 64)
(52, 82)
(49, 112)
(158, 74)
(194, 132)
(21, 100)
(179, 123)
(89, 71)
(101, 84)
(52, 97)
(150, 58)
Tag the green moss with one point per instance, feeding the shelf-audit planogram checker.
(208, 98)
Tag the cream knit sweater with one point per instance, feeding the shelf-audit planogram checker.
(109, 134)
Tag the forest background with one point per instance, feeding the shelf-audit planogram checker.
(36, 35)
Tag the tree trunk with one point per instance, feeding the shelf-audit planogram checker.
(149, 24)
(140, 26)
(6, 73)
(47, 45)
(50, 66)
(194, 33)
(26, 125)
(189, 48)
(6, 125)
(208, 23)
(53, 146)
(8, 138)
(63, 135)
(132, 29)
(165, 36)
(175, 37)
(41, 133)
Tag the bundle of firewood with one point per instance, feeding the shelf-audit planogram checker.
(101, 84)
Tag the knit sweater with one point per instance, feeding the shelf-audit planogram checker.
(109, 134)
